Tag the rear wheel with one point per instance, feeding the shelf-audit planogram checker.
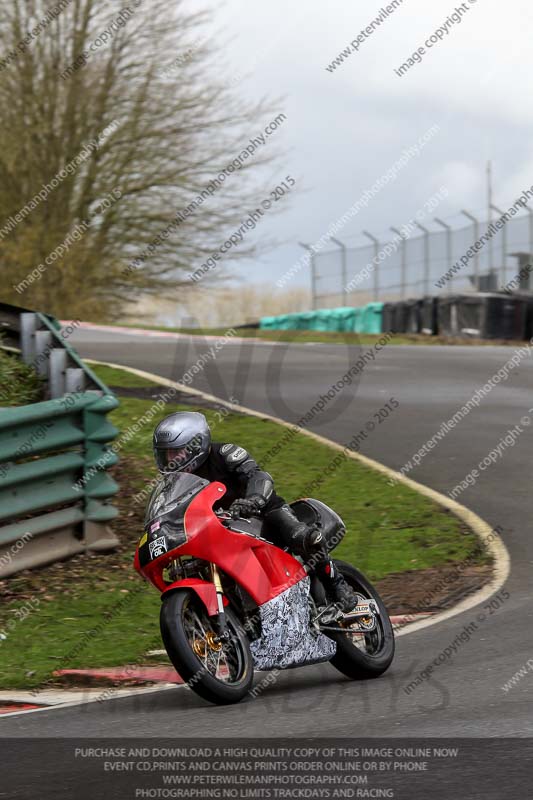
(363, 654)
(221, 672)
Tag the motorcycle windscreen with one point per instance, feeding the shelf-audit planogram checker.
(164, 519)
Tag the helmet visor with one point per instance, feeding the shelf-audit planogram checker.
(177, 459)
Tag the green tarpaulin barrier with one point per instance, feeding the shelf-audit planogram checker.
(268, 323)
(372, 318)
(347, 319)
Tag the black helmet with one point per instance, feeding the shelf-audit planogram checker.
(182, 442)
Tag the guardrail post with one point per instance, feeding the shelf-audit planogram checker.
(43, 346)
(28, 327)
(58, 368)
(74, 380)
(99, 487)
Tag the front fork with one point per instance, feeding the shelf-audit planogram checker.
(219, 620)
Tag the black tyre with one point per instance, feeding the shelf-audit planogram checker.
(363, 655)
(219, 673)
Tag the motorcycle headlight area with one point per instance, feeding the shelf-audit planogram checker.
(163, 535)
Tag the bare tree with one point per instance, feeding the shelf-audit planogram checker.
(117, 142)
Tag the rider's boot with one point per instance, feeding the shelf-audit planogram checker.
(287, 531)
(337, 589)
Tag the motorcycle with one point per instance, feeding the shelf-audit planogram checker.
(233, 603)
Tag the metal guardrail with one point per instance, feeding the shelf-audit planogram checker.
(54, 489)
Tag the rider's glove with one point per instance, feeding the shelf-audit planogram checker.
(247, 507)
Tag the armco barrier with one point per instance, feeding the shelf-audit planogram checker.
(54, 489)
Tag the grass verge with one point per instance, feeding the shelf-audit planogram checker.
(93, 611)
(331, 337)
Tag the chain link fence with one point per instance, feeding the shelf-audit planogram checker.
(429, 262)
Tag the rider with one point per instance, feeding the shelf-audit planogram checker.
(182, 443)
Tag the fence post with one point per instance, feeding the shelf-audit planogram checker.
(425, 231)
(376, 268)
(530, 254)
(503, 268)
(473, 219)
(344, 277)
(449, 247)
(403, 278)
(312, 266)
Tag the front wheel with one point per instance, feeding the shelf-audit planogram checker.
(363, 654)
(219, 672)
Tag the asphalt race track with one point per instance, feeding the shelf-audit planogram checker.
(464, 696)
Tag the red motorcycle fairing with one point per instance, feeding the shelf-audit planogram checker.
(263, 570)
(204, 589)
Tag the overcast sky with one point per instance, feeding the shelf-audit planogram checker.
(346, 128)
